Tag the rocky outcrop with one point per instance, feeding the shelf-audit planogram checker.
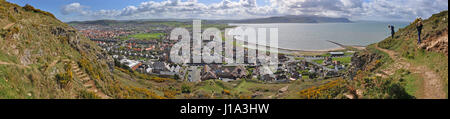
(437, 43)
(361, 60)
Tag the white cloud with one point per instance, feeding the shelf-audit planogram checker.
(332, 8)
(73, 8)
(403, 9)
(228, 9)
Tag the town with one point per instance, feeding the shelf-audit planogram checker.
(147, 51)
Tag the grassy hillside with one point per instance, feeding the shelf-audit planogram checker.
(405, 44)
(398, 68)
(42, 57)
(410, 68)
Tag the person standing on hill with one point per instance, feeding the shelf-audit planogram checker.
(419, 27)
(392, 28)
(16, 10)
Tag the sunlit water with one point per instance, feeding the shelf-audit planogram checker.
(308, 36)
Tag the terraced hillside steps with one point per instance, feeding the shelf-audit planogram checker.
(87, 82)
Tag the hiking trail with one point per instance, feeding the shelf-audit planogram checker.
(85, 79)
(432, 87)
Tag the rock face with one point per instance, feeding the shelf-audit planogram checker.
(361, 60)
(284, 89)
(437, 44)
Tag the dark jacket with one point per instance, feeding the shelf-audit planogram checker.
(419, 25)
(392, 29)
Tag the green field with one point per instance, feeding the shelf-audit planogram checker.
(344, 60)
(318, 61)
(147, 36)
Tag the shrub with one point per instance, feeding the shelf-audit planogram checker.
(160, 79)
(408, 55)
(89, 67)
(328, 90)
(186, 88)
(245, 97)
(11, 18)
(169, 93)
(225, 91)
(388, 43)
(120, 91)
(64, 79)
(88, 95)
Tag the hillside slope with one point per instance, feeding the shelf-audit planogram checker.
(42, 57)
(418, 70)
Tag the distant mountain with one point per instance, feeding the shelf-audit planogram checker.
(100, 22)
(288, 19)
(280, 19)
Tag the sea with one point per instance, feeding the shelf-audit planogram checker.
(316, 36)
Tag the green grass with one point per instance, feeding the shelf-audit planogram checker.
(344, 60)
(318, 61)
(211, 86)
(147, 36)
(13, 86)
(6, 90)
(409, 81)
(7, 58)
(434, 61)
(412, 84)
(331, 67)
(243, 86)
(305, 77)
(299, 58)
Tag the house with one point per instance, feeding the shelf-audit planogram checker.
(159, 67)
(239, 71)
(149, 70)
(268, 77)
(136, 66)
(296, 75)
(194, 74)
(327, 61)
(228, 72)
(331, 73)
(132, 64)
(338, 65)
(336, 62)
(224, 73)
(335, 54)
(208, 73)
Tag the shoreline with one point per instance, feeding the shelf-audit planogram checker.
(308, 52)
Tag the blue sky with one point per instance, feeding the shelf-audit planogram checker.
(375, 10)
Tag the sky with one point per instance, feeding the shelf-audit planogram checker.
(371, 10)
